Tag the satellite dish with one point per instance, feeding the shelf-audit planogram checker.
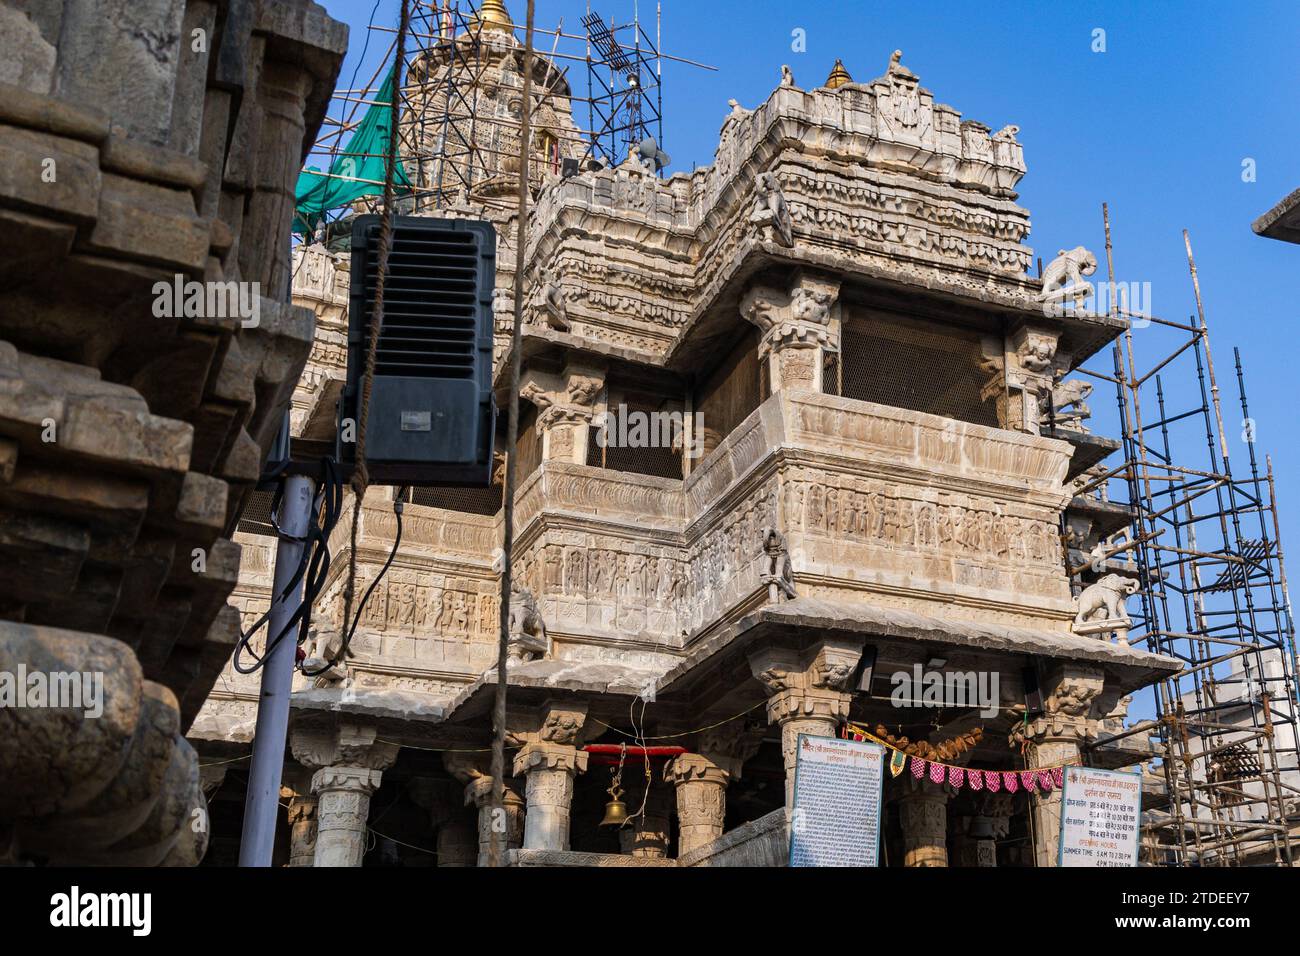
(650, 152)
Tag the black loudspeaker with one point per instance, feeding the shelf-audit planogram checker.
(1033, 695)
(569, 167)
(431, 415)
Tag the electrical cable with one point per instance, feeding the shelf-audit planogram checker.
(327, 507)
(399, 504)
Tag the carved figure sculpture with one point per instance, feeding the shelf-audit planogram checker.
(1068, 406)
(777, 573)
(1063, 278)
(324, 661)
(548, 304)
(527, 629)
(787, 75)
(770, 208)
(1106, 597)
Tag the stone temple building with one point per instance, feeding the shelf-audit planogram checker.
(878, 467)
(145, 145)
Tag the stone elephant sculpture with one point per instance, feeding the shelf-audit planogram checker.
(1106, 595)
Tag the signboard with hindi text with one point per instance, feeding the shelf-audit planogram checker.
(837, 793)
(1100, 814)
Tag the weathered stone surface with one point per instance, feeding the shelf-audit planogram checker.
(125, 445)
(125, 804)
(56, 760)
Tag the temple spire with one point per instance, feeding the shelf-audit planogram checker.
(493, 15)
(839, 76)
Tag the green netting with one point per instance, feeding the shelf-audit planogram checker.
(355, 171)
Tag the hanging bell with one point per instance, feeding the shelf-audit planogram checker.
(615, 809)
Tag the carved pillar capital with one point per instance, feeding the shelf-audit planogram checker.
(701, 787)
(685, 768)
(807, 692)
(540, 755)
(795, 324)
(565, 404)
(730, 745)
(1071, 696)
(1024, 374)
(360, 780)
(348, 744)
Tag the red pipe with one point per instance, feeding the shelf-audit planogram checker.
(615, 749)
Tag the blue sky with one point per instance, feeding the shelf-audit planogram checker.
(1158, 126)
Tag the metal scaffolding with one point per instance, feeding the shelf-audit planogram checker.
(1213, 595)
(452, 145)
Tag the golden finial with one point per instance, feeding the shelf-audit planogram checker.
(839, 76)
(493, 15)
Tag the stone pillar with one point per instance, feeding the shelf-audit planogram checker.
(806, 693)
(549, 760)
(549, 770)
(349, 763)
(565, 407)
(1072, 695)
(798, 327)
(991, 819)
(510, 828)
(1022, 376)
(297, 792)
(701, 787)
(343, 807)
(456, 839)
(923, 813)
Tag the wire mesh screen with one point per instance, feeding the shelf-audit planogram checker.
(906, 363)
(256, 516)
(731, 392)
(475, 501)
(639, 438)
(528, 446)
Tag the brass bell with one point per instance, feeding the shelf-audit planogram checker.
(615, 809)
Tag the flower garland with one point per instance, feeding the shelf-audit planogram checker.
(1041, 779)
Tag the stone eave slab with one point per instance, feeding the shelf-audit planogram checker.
(717, 317)
(1282, 221)
(1089, 449)
(535, 682)
(542, 344)
(1130, 666)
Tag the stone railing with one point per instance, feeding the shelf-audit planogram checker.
(761, 842)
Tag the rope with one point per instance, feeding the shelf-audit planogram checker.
(360, 473)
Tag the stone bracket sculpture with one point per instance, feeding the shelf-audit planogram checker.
(547, 308)
(1031, 362)
(1063, 282)
(771, 210)
(1068, 408)
(528, 639)
(777, 573)
(1100, 607)
(325, 648)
